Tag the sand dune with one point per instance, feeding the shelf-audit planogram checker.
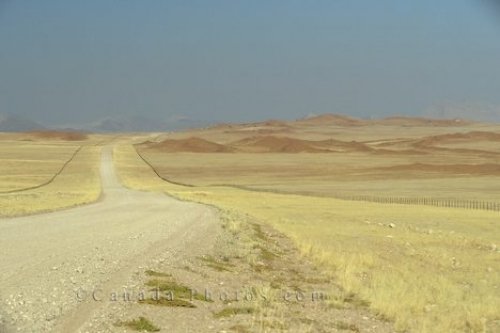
(276, 144)
(193, 144)
(56, 135)
(458, 137)
(276, 127)
(263, 144)
(345, 121)
(284, 144)
(344, 145)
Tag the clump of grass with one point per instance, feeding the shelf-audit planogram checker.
(260, 267)
(343, 326)
(158, 274)
(162, 301)
(229, 312)
(141, 324)
(178, 290)
(177, 295)
(278, 283)
(216, 264)
(355, 300)
(265, 254)
(258, 232)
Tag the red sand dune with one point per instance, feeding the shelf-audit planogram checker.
(270, 144)
(343, 145)
(274, 144)
(57, 135)
(292, 145)
(193, 144)
(256, 144)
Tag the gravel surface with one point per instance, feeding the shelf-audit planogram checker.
(51, 263)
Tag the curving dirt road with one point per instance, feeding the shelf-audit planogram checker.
(47, 260)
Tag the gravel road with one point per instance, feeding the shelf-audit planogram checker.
(50, 262)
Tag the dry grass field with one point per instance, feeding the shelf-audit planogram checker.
(422, 268)
(445, 163)
(46, 171)
(427, 269)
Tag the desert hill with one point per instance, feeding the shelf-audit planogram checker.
(457, 169)
(417, 121)
(192, 144)
(459, 137)
(274, 144)
(257, 144)
(13, 123)
(56, 135)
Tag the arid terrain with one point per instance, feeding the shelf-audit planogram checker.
(324, 224)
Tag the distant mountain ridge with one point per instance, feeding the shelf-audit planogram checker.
(128, 124)
(347, 121)
(141, 123)
(14, 123)
(331, 118)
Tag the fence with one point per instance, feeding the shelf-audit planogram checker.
(49, 181)
(426, 201)
(419, 201)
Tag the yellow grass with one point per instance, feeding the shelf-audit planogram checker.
(327, 174)
(427, 269)
(31, 164)
(18, 160)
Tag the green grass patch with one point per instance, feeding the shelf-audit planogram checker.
(258, 232)
(177, 290)
(229, 312)
(141, 324)
(217, 265)
(162, 301)
(266, 254)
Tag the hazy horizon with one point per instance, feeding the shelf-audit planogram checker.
(75, 63)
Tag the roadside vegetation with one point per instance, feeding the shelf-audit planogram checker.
(141, 324)
(54, 184)
(427, 269)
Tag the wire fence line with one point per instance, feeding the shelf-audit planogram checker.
(426, 201)
(396, 200)
(49, 181)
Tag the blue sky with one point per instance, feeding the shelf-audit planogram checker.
(76, 61)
